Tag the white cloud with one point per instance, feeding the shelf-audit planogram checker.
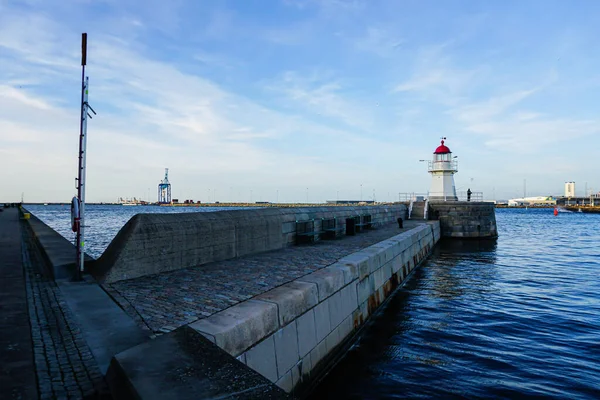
(322, 94)
(380, 41)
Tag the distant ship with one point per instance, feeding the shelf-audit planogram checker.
(130, 202)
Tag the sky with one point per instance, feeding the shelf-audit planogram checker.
(298, 100)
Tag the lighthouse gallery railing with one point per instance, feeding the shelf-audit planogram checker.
(461, 195)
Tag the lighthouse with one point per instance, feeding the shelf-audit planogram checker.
(442, 169)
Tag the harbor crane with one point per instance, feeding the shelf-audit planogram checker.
(164, 189)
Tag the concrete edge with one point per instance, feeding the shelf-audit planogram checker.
(224, 328)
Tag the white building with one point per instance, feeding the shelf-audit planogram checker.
(442, 170)
(569, 189)
(532, 201)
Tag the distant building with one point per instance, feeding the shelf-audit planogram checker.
(350, 202)
(569, 189)
(532, 201)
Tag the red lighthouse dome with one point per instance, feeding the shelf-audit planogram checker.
(442, 149)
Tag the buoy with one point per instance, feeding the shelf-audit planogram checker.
(555, 211)
(74, 214)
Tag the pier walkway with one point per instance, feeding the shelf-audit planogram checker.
(43, 353)
(17, 368)
(163, 302)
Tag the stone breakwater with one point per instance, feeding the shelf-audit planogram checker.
(229, 294)
(291, 333)
(155, 243)
(462, 219)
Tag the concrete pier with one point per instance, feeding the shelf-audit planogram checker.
(287, 313)
(465, 219)
(276, 316)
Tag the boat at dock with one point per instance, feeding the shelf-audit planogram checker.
(130, 202)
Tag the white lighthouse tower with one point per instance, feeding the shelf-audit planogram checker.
(442, 170)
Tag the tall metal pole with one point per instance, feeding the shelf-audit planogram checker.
(81, 165)
(82, 182)
(80, 216)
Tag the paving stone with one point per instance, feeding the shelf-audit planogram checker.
(58, 342)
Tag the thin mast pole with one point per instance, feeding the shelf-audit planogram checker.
(81, 166)
(83, 178)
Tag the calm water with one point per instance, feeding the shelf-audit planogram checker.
(516, 318)
(103, 222)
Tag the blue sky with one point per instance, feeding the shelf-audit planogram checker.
(280, 99)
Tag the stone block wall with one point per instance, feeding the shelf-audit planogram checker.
(155, 243)
(293, 333)
(462, 219)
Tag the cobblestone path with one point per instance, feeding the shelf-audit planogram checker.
(65, 366)
(166, 301)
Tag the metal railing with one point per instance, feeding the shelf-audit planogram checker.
(442, 166)
(411, 197)
(460, 196)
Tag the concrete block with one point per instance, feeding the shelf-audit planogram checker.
(364, 289)
(360, 261)
(387, 271)
(402, 273)
(405, 242)
(396, 249)
(377, 278)
(345, 328)
(328, 281)
(296, 374)
(349, 298)
(292, 299)
(262, 359)
(286, 348)
(386, 250)
(322, 320)
(364, 310)
(286, 382)
(332, 340)
(406, 256)
(183, 365)
(350, 271)
(241, 326)
(396, 263)
(374, 258)
(307, 332)
(336, 309)
(288, 227)
(318, 353)
(305, 367)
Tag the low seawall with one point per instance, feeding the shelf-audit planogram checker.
(464, 219)
(59, 253)
(293, 334)
(154, 243)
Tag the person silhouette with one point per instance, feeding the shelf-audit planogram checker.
(469, 194)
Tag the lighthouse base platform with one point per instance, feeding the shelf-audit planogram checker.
(464, 219)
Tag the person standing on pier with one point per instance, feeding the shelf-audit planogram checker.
(469, 194)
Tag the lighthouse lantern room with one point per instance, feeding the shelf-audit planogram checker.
(442, 170)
